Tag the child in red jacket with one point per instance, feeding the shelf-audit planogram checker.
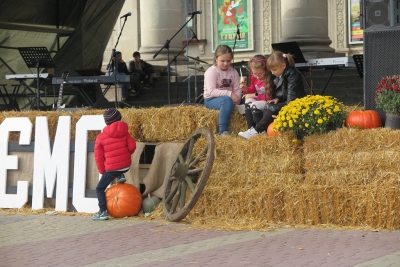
(112, 151)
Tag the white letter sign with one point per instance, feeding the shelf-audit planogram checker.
(48, 165)
(24, 126)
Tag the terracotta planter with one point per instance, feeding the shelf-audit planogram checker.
(392, 121)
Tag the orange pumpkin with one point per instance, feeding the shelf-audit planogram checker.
(123, 200)
(364, 119)
(271, 131)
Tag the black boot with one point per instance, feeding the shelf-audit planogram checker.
(256, 113)
(248, 116)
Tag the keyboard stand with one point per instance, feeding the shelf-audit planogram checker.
(103, 95)
(5, 93)
(329, 79)
(12, 98)
(302, 69)
(85, 96)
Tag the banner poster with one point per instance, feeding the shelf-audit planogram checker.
(227, 17)
(355, 31)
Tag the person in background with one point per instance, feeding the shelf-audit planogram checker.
(142, 70)
(260, 91)
(112, 151)
(221, 87)
(289, 86)
(127, 89)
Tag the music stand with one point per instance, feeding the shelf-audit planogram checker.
(290, 48)
(359, 61)
(37, 57)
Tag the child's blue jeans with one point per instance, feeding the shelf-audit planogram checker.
(105, 180)
(225, 106)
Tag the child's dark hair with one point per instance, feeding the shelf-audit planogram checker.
(277, 58)
(260, 61)
(221, 50)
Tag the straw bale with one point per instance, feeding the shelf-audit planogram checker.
(372, 160)
(352, 177)
(352, 139)
(177, 123)
(225, 203)
(167, 124)
(241, 163)
(351, 108)
(354, 206)
(134, 117)
(237, 124)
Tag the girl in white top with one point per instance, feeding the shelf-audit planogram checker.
(221, 87)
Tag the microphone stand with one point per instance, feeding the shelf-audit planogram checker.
(187, 66)
(176, 73)
(234, 44)
(109, 67)
(166, 46)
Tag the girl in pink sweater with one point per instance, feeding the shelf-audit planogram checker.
(221, 87)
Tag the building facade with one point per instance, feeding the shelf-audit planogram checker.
(320, 27)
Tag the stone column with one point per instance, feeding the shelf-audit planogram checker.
(159, 21)
(306, 22)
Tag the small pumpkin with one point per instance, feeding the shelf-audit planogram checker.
(149, 204)
(123, 200)
(271, 131)
(366, 119)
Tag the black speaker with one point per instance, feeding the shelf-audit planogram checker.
(379, 13)
(381, 59)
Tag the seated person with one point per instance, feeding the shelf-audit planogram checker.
(221, 87)
(128, 89)
(143, 70)
(260, 91)
(288, 86)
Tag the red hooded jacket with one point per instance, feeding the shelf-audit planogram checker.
(113, 147)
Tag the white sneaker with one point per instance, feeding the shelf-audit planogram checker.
(249, 133)
(225, 133)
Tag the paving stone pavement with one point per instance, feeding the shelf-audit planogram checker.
(59, 240)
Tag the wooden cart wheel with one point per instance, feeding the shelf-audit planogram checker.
(189, 175)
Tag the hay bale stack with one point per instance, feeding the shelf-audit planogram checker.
(347, 177)
(145, 125)
(177, 123)
(355, 177)
(261, 161)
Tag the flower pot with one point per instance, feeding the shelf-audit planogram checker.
(392, 121)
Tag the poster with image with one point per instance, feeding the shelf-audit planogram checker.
(355, 31)
(227, 17)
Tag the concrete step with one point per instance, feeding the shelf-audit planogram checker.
(159, 95)
(345, 85)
